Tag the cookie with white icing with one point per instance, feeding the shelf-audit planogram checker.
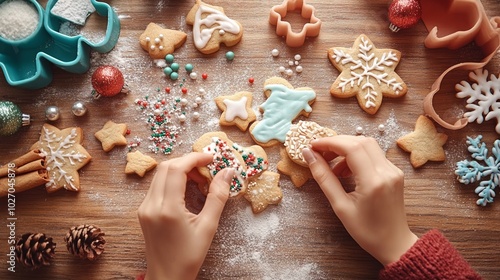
(211, 27)
(300, 136)
(284, 104)
(236, 110)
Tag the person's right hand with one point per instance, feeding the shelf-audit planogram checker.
(374, 213)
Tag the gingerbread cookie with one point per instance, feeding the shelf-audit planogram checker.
(300, 136)
(424, 144)
(264, 190)
(367, 73)
(236, 110)
(283, 105)
(159, 42)
(111, 135)
(211, 27)
(139, 163)
(297, 173)
(64, 156)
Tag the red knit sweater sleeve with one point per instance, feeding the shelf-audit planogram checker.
(432, 257)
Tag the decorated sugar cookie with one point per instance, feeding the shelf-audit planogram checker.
(298, 174)
(367, 73)
(300, 136)
(237, 110)
(284, 103)
(64, 156)
(159, 41)
(264, 190)
(248, 162)
(211, 27)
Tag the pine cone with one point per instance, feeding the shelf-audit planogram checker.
(85, 241)
(35, 250)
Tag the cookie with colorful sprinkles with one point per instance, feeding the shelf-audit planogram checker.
(224, 156)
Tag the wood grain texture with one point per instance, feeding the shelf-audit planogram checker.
(301, 238)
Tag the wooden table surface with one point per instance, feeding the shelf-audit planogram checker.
(299, 239)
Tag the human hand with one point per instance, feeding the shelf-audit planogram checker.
(177, 240)
(374, 213)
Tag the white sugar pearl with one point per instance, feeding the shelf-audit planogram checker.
(160, 47)
(196, 115)
(381, 127)
(182, 118)
(148, 39)
(157, 112)
(282, 69)
(275, 52)
(201, 91)
(297, 57)
(222, 32)
(157, 40)
(152, 47)
(184, 101)
(289, 72)
(194, 105)
(296, 63)
(193, 75)
(160, 36)
(359, 130)
(290, 63)
(198, 100)
(299, 69)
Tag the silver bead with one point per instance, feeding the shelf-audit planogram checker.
(79, 109)
(52, 113)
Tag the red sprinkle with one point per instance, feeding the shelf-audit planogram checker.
(184, 90)
(167, 90)
(128, 132)
(251, 80)
(204, 76)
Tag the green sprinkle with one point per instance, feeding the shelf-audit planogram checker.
(167, 71)
(175, 66)
(169, 58)
(230, 55)
(174, 76)
(189, 67)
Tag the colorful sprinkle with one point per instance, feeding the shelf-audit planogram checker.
(189, 67)
(204, 76)
(169, 58)
(230, 55)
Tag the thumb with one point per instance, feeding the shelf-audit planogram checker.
(328, 182)
(217, 197)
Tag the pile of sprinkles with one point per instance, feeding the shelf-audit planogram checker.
(254, 164)
(224, 157)
(165, 114)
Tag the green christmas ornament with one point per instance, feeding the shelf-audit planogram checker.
(11, 118)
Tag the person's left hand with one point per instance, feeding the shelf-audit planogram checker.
(177, 240)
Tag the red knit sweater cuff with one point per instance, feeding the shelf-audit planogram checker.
(431, 257)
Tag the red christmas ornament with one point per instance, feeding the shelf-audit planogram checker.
(107, 81)
(404, 14)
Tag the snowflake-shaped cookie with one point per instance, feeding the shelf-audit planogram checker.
(483, 97)
(64, 156)
(488, 171)
(367, 72)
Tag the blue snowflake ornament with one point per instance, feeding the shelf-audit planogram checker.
(481, 168)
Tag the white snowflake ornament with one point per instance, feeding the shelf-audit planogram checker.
(367, 73)
(482, 97)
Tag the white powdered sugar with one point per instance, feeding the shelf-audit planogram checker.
(18, 19)
(75, 11)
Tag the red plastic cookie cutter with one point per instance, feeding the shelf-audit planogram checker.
(453, 24)
(283, 28)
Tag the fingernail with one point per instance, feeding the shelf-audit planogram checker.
(308, 155)
(228, 176)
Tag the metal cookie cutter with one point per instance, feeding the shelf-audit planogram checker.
(283, 28)
(27, 62)
(453, 24)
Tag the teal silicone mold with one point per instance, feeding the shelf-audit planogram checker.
(27, 63)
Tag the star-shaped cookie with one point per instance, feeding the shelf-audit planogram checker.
(139, 163)
(367, 73)
(64, 156)
(264, 190)
(111, 135)
(159, 42)
(424, 144)
(298, 174)
(236, 110)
